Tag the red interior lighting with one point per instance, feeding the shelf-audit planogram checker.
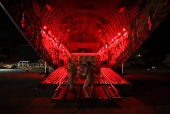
(119, 33)
(45, 27)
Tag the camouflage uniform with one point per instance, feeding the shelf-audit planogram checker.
(89, 73)
(71, 68)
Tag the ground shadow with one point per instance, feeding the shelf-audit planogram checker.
(87, 105)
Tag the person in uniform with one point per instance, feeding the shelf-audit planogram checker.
(89, 73)
(71, 69)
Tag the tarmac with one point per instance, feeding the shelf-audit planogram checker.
(19, 95)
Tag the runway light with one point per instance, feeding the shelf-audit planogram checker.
(115, 37)
(109, 42)
(106, 46)
(124, 29)
(112, 39)
(45, 27)
(49, 32)
(55, 38)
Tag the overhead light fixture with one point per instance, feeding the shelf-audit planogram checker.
(45, 27)
(119, 33)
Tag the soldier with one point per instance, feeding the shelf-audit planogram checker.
(89, 73)
(72, 71)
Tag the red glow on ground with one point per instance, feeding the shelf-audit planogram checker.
(49, 32)
(119, 33)
(124, 29)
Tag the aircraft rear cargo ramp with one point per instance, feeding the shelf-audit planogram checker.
(103, 32)
(103, 85)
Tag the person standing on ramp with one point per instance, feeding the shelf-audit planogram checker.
(72, 71)
(89, 73)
